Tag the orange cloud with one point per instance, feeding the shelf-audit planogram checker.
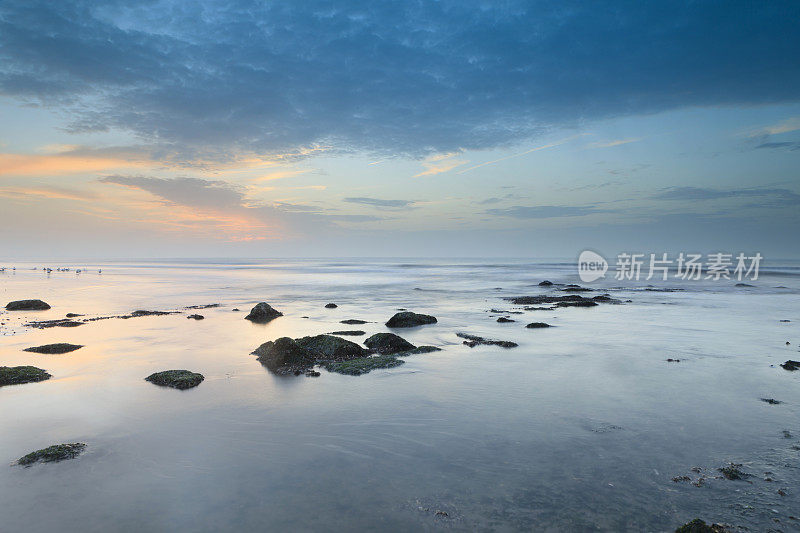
(59, 164)
(45, 192)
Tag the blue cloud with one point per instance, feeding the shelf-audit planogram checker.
(544, 211)
(387, 77)
(770, 197)
(377, 202)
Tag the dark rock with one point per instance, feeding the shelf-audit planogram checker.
(73, 315)
(349, 332)
(698, 526)
(144, 312)
(421, 350)
(312, 373)
(284, 356)
(352, 321)
(784, 320)
(733, 472)
(388, 343)
(60, 347)
(673, 360)
(362, 365)
(744, 285)
(177, 379)
(604, 298)
(474, 340)
(206, 306)
(502, 312)
(786, 434)
(540, 308)
(59, 323)
(53, 454)
(535, 325)
(235, 309)
(328, 347)
(408, 319)
(27, 305)
(331, 306)
(791, 365)
(504, 320)
(570, 300)
(771, 401)
(545, 283)
(196, 317)
(17, 375)
(575, 288)
(262, 313)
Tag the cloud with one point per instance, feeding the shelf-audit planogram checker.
(535, 149)
(611, 144)
(53, 193)
(771, 197)
(376, 202)
(193, 192)
(544, 211)
(785, 126)
(410, 78)
(439, 163)
(784, 145)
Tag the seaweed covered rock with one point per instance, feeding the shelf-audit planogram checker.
(17, 375)
(57, 348)
(53, 454)
(791, 365)
(422, 349)
(388, 343)
(262, 312)
(362, 365)
(408, 319)
(699, 526)
(284, 356)
(537, 325)
(504, 320)
(474, 340)
(330, 347)
(27, 305)
(352, 321)
(349, 332)
(177, 379)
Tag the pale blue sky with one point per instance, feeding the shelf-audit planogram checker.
(437, 128)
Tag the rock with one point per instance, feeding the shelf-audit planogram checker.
(329, 347)
(698, 526)
(177, 379)
(235, 309)
(673, 360)
(545, 283)
(732, 472)
(791, 365)
(27, 305)
(352, 321)
(422, 349)
(284, 356)
(347, 332)
(571, 300)
(53, 454)
(743, 285)
(17, 375)
(408, 319)
(72, 315)
(312, 373)
(604, 298)
(771, 401)
(362, 365)
(388, 343)
(262, 313)
(503, 312)
(576, 288)
(331, 306)
(196, 317)
(504, 320)
(144, 312)
(59, 323)
(60, 347)
(206, 306)
(474, 340)
(536, 325)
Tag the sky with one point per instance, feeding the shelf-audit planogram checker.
(415, 128)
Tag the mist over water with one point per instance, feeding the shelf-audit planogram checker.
(580, 428)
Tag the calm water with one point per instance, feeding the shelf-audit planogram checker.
(580, 428)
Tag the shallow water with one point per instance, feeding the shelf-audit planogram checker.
(580, 428)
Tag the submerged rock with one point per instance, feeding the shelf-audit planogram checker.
(733, 472)
(73, 315)
(329, 347)
(771, 401)
(177, 379)
(504, 320)
(145, 312)
(331, 306)
(699, 526)
(27, 305)
(571, 300)
(262, 312)
(59, 323)
(388, 343)
(421, 350)
(791, 365)
(545, 283)
(537, 325)
(352, 321)
(408, 319)
(284, 356)
(349, 332)
(362, 365)
(474, 340)
(17, 375)
(196, 317)
(57, 348)
(53, 454)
